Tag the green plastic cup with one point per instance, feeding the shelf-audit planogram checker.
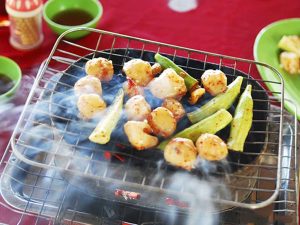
(12, 70)
(53, 7)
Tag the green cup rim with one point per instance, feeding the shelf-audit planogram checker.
(65, 27)
(16, 80)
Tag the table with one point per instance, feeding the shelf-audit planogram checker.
(225, 26)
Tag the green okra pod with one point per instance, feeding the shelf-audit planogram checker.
(190, 82)
(107, 124)
(211, 124)
(221, 101)
(242, 121)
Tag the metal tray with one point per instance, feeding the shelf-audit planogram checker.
(44, 196)
(47, 135)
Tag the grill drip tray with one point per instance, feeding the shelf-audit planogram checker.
(48, 195)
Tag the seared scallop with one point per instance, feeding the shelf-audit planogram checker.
(168, 85)
(211, 147)
(196, 95)
(89, 105)
(181, 152)
(162, 121)
(101, 68)
(137, 108)
(156, 69)
(175, 107)
(214, 81)
(139, 71)
(131, 89)
(88, 85)
(139, 134)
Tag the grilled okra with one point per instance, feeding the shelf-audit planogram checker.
(211, 124)
(242, 121)
(107, 124)
(190, 82)
(221, 101)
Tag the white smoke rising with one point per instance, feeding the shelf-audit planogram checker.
(10, 109)
(203, 194)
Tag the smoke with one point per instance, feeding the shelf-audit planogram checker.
(201, 205)
(11, 108)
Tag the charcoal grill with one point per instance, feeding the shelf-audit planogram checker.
(45, 180)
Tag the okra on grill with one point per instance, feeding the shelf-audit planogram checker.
(107, 124)
(211, 124)
(242, 121)
(221, 101)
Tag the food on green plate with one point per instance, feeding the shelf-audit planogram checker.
(138, 134)
(139, 71)
(214, 82)
(88, 85)
(211, 147)
(162, 122)
(290, 43)
(181, 152)
(196, 94)
(190, 82)
(108, 122)
(221, 101)
(101, 68)
(290, 57)
(242, 121)
(137, 108)
(175, 107)
(168, 85)
(89, 105)
(211, 124)
(290, 62)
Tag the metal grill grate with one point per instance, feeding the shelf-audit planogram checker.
(35, 195)
(50, 141)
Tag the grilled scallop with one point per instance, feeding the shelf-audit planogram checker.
(101, 68)
(89, 105)
(181, 152)
(139, 71)
(88, 85)
(195, 95)
(138, 133)
(168, 85)
(214, 81)
(137, 108)
(211, 147)
(162, 122)
(156, 69)
(175, 107)
(131, 89)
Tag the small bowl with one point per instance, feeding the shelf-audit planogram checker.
(12, 70)
(53, 7)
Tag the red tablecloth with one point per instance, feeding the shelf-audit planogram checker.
(224, 26)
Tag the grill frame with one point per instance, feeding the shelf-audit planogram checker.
(160, 47)
(66, 214)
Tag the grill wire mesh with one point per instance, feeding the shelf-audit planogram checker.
(55, 200)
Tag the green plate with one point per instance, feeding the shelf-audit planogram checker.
(266, 51)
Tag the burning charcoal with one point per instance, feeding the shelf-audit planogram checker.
(127, 194)
(178, 203)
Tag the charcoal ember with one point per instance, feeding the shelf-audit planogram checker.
(127, 194)
(178, 203)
